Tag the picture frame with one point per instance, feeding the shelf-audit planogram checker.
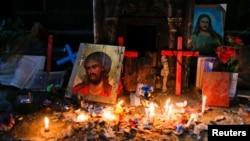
(212, 34)
(84, 73)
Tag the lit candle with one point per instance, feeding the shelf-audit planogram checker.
(109, 116)
(146, 115)
(81, 117)
(203, 104)
(46, 124)
(190, 120)
(151, 113)
(170, 112)
(166, 106)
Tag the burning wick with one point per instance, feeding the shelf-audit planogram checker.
(46, 124)
(203, 104)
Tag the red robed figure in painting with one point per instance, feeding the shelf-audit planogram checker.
(97, 66)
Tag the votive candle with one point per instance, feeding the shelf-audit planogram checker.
(46, 124)
(203, 104)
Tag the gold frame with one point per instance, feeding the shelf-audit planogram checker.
(115, 52)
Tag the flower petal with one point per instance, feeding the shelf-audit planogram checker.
(237, 40)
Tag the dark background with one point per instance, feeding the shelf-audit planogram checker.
(72, 21)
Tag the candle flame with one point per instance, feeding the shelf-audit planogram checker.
(46, 123)
(82, 117)
(108, 115)
(204, 98)
(168, 101)
(166, 106)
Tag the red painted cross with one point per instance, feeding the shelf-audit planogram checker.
(129, 54)
(179, 53)
(133, 54)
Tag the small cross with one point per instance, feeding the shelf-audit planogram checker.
(71, 56)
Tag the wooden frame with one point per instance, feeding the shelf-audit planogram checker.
(79, 74)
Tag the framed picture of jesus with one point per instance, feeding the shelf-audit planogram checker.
(96, 73)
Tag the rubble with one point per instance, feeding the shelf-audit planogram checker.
(95, 121)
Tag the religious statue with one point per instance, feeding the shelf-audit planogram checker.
(164, 73)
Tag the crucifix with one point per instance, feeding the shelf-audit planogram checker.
(179, 53)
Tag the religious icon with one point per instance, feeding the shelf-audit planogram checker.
(208, 28)
(96, 73)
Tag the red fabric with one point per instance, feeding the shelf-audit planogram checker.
(84, 89)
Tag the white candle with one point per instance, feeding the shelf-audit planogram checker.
(151, 109)
(166, 106)
(190, 120)
(151, 112)
(170, 112)
(203, 104)
(46, 124)
(146, 115)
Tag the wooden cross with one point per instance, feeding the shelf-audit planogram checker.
(179, 53)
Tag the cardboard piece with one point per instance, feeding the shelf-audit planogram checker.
(216, 88)
(202, 66)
